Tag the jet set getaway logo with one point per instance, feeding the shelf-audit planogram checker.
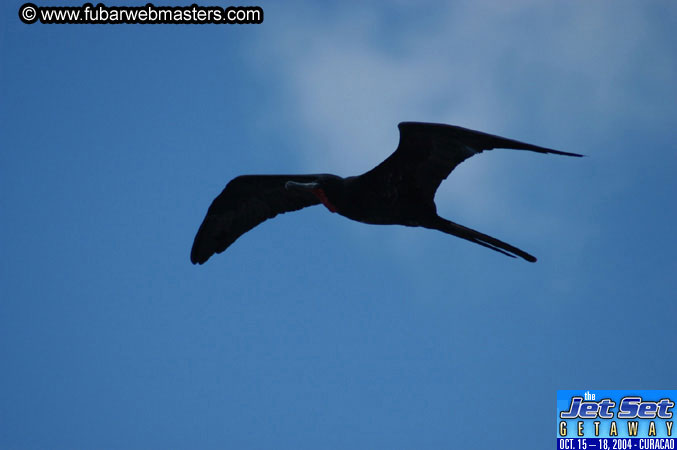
(615, 420)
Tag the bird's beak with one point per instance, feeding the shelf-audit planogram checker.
(289, 185)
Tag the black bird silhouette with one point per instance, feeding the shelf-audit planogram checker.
(399, 191)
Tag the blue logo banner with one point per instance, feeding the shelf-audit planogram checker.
(615, 419)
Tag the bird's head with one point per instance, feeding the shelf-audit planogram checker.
(327, 188)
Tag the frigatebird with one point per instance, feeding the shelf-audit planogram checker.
(399, 191)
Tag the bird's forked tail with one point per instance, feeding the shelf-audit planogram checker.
(484, 240)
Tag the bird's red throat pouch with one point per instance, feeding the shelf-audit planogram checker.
(319, 193)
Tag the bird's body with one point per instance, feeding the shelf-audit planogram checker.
(359, 199)
(399, 191)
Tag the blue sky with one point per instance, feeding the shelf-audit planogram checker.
(313, 331)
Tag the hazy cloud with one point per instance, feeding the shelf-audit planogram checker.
(557, 75)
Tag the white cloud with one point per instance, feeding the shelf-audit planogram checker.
(531, 71)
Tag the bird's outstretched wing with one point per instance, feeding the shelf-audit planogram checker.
(428, 152)
(247, 201)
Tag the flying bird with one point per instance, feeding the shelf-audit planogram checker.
(399, 191)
